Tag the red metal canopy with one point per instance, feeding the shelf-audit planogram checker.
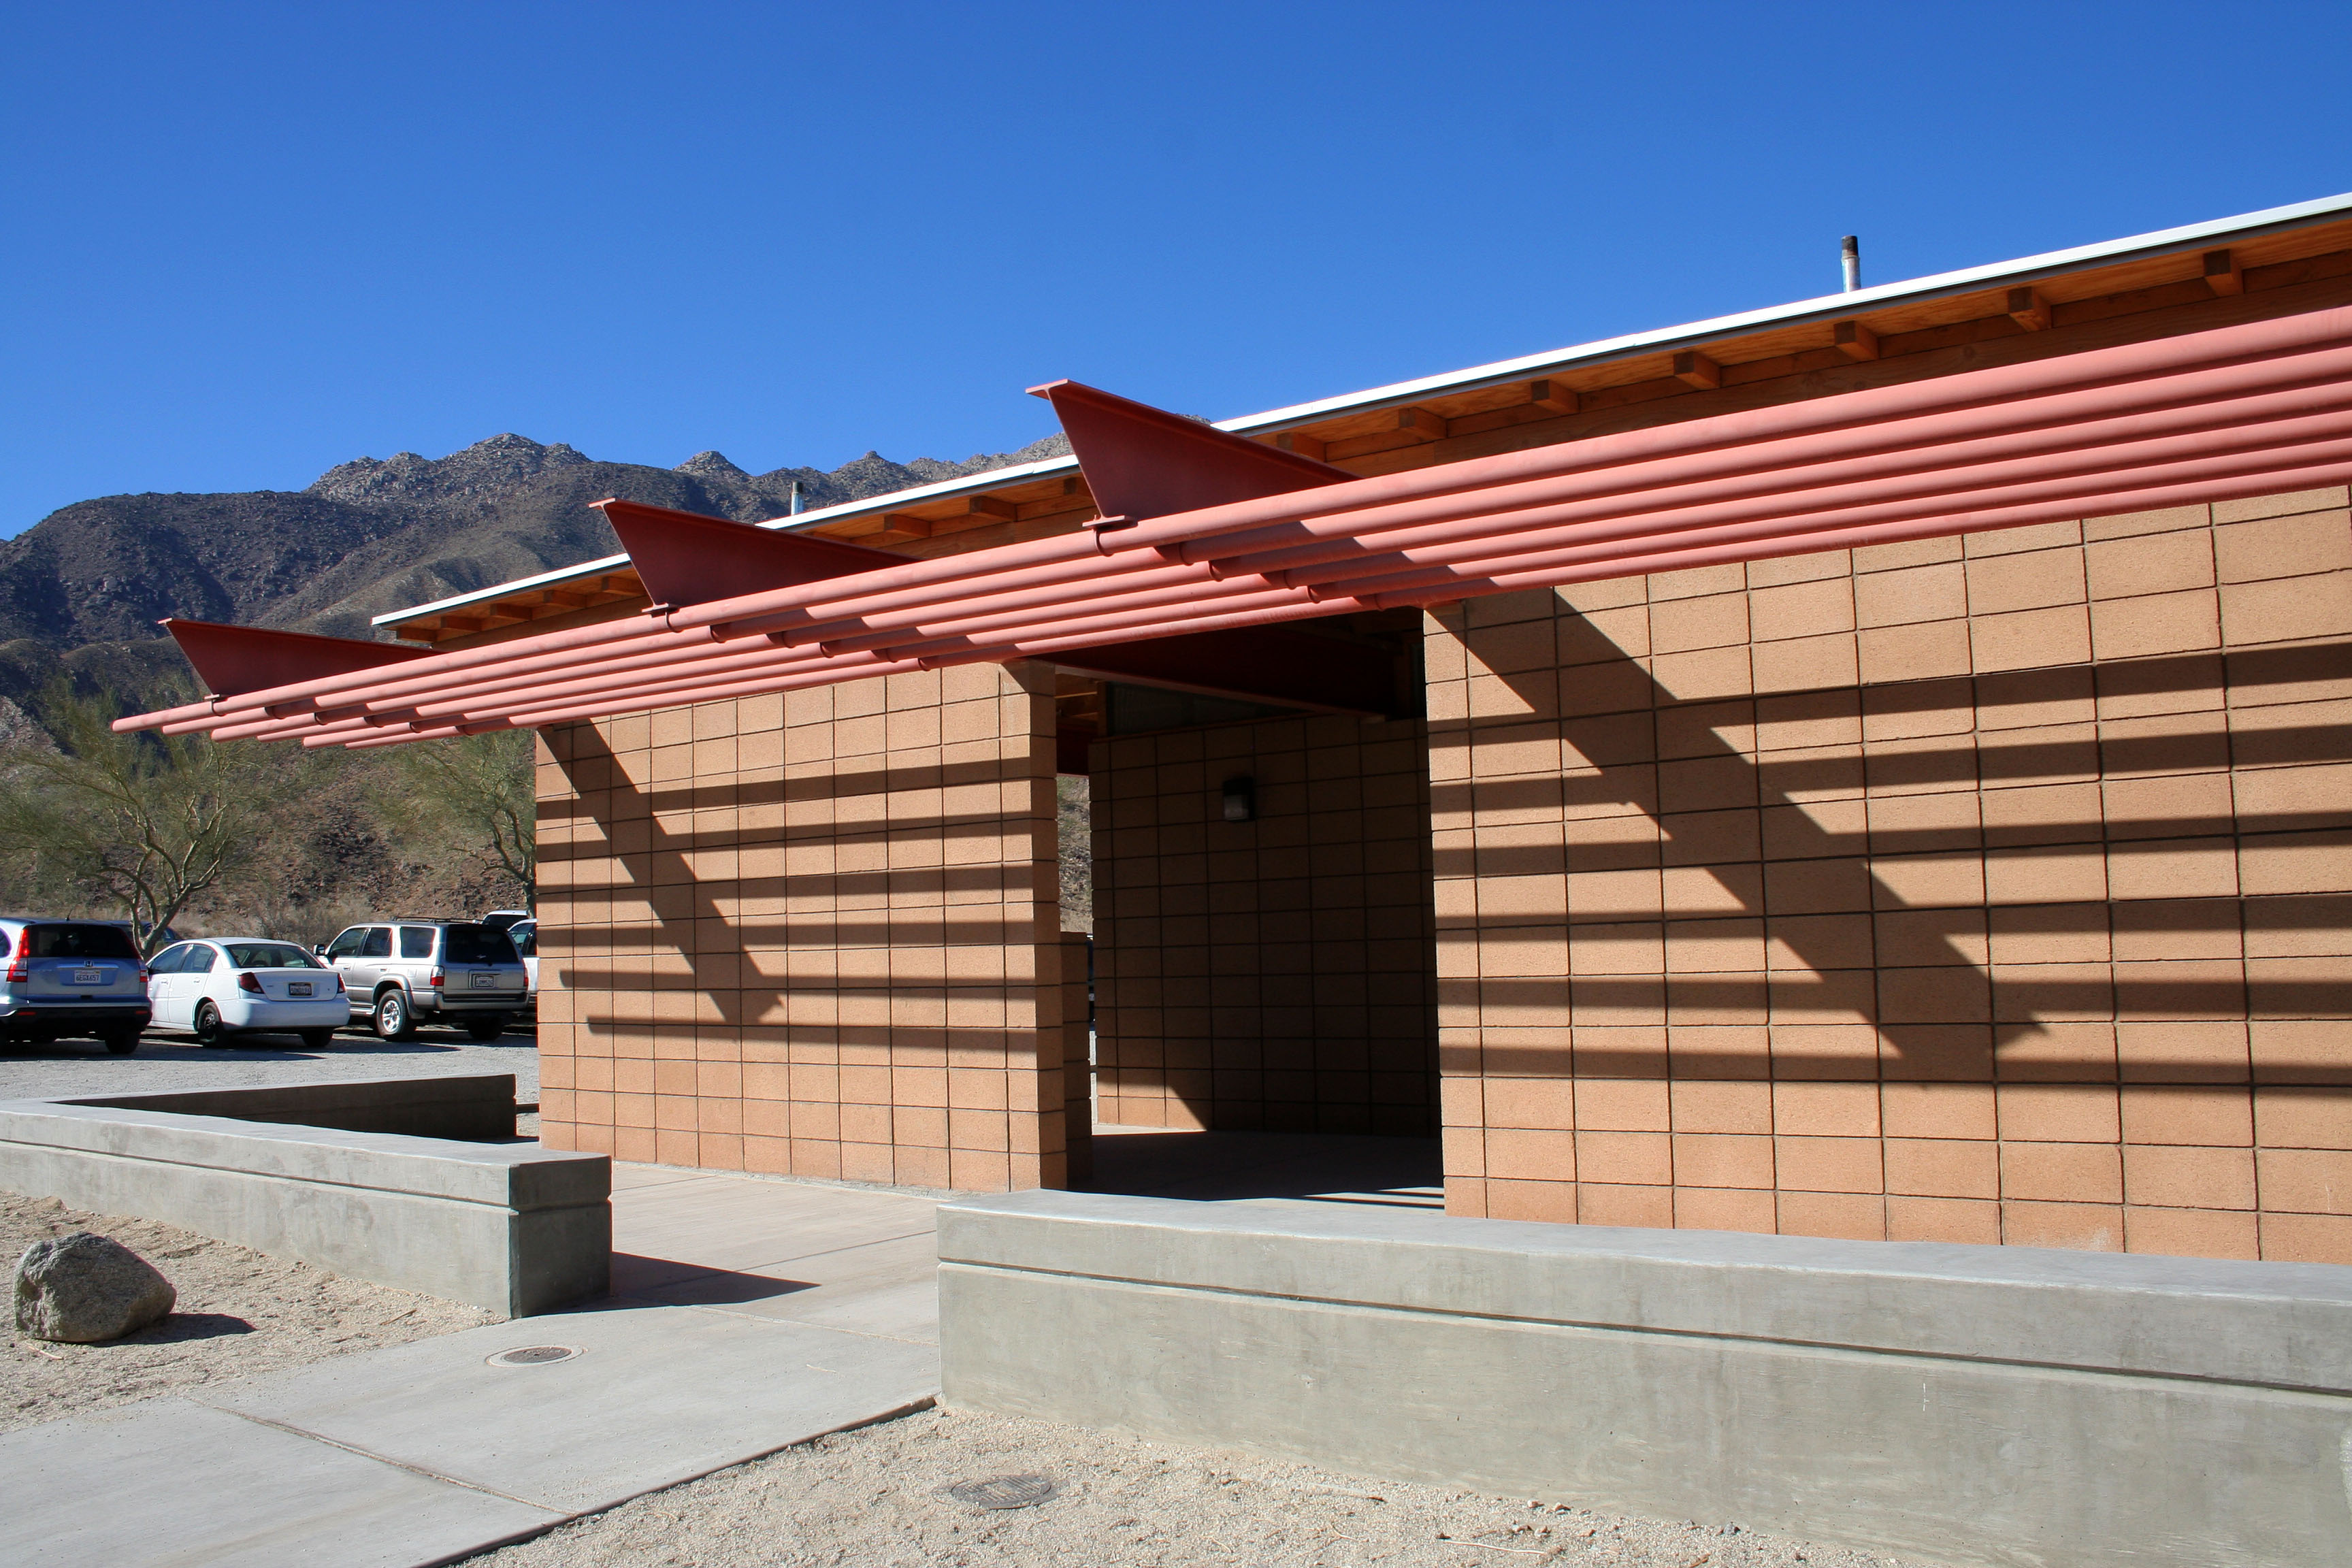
(234, 660)
(2238, 411)
(684, 558)
(1144, 462)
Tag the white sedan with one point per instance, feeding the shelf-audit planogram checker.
(224, 987)
(524, 934)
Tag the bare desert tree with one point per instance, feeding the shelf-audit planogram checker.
(480, 791)
(143, 822)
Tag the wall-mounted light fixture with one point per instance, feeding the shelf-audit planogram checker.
(1241, 800)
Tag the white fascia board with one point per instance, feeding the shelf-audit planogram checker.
(1827, 306)
(499, 591)
(991, 479)
(1967, 281)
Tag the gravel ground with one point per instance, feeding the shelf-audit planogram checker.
(875, 1497)
(240, 1314)
(175, 1061)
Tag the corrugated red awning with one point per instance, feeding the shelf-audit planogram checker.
(2238, 411)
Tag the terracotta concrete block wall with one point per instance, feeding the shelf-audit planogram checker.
(1986, 890)
(813, 934)
(1274, 974)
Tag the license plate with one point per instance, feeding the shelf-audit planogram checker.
(486, 982)
(297, 988)
(88, 977)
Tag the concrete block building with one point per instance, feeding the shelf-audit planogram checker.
(1902, 795)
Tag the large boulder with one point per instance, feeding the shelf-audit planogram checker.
(82, 1289)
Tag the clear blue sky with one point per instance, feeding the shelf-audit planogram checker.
(245, 243)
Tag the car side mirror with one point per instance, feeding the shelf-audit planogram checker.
(318, 948)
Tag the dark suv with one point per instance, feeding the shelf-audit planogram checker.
(398, 972)
(70, 978)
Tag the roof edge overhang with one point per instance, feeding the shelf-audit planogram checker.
(2022, 269)
(2250, 408)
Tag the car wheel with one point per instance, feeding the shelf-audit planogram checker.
(318, 1040)
(486, 1029)
(393, 1019)
(210, 1032)
(120, 1045)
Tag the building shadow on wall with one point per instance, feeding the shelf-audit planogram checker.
(809, 959)
(1854, 898)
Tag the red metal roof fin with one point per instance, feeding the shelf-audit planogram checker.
(684, 558)
(232, 660)
(1143, 462)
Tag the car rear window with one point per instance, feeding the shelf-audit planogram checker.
(378, 942)
(82, 942)
(269, 956)
(416, 941)
(476, 944)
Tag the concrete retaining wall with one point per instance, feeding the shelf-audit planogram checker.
(1970, 1405)
(512, 1228)
(475, 1107)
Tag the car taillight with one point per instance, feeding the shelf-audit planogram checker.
(17, 972)
(249, 981)
(339, 982)
(433, 980)
(142, 974)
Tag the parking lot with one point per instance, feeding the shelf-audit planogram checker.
(173, 1059)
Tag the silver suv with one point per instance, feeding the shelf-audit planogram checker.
(69, 978)
(402, 971)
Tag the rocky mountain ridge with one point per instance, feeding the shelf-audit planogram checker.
(371, 536)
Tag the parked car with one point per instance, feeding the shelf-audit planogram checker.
(524, 934)
(221, 987)
(399, 973)
(70, 980)
(506, 920)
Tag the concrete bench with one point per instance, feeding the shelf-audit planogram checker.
(509, 1227)
(1966, 1404)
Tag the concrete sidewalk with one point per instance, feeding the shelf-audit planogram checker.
(747, 1315)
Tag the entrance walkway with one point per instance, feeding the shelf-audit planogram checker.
(838, 1258)
(1317, 1169)
(749, 1315)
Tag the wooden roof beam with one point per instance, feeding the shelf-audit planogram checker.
(1421, 423)
(2222, 274)
(1854, 339)
(1693, 368)
(1556, 395)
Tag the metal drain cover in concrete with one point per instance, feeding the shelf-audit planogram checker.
(534, 1356)
(1006, 1491)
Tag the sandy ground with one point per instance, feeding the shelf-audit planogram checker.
(875, 1499)
(240, 1314)
(171, 1060)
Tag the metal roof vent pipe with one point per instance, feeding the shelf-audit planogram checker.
(1850, 257)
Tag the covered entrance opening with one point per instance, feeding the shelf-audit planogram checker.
(1264, 998)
